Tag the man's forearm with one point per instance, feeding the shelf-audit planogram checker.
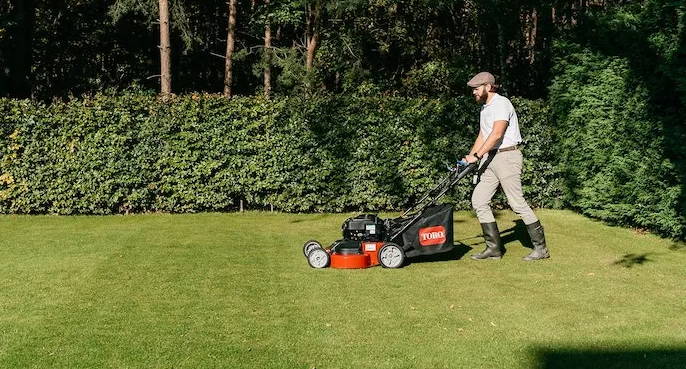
(487, 145)
(496, 135)
(477, 144)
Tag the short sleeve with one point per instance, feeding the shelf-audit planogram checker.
(502, 111)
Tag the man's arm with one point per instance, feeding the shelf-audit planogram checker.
(477, 144)
(499, 128)
(481, 146)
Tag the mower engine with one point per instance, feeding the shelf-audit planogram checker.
(364, 227)
(363, 237)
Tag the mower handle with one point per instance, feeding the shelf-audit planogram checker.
(444, 185)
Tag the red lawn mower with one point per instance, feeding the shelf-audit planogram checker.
(424, 229)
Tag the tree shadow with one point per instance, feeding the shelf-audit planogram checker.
(314, 218)
(678, 246)
(551, 358)
(517, 232)
(629, 260)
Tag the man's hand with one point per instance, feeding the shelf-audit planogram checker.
(470, 159)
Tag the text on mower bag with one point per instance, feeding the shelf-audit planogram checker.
(430, 236)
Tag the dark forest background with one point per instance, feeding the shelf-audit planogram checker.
(59, 48)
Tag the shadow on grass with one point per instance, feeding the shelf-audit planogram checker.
(630, 260)
(478, 240)
(610, 359)
(457, 253)
(678, 246)
(517, 232)
(309, 219)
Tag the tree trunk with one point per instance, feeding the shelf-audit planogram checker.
(268, 59)
(165, 49)
(531, 28)
(230, 43)
(312, 36)
(20, 60)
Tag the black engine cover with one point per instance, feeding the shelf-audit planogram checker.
(364, 227)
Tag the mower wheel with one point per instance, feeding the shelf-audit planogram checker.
(391, 256)
(311, 245)
(318, 258)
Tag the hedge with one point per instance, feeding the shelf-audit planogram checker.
(134, 153)
(613, 155)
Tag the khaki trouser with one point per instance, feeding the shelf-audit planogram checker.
(505, 169)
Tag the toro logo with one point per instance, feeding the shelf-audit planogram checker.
(432, 236)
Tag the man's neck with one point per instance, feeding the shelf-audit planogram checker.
(490, 97)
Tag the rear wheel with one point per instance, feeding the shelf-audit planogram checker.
(309, 246)
(318, 258)
(391, 256)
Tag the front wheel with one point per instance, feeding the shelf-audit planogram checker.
(391, 256)
(318, 258)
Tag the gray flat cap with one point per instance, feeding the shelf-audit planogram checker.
(483, 78)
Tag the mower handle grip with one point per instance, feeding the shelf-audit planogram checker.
(460, 164)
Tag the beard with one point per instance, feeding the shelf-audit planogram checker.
(482, 98)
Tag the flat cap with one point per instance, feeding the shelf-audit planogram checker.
(483, 78)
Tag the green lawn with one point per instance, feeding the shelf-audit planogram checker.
(234, 291)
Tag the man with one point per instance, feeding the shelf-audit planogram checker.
(497, 146)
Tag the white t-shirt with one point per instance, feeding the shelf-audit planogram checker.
(500, 108)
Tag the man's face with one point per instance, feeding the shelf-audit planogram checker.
(480, 93)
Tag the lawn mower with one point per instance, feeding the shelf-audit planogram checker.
(424, 229)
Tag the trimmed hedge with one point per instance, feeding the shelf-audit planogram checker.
(612, 146)
(134, 153)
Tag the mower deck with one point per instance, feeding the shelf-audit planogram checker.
(368, 257)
